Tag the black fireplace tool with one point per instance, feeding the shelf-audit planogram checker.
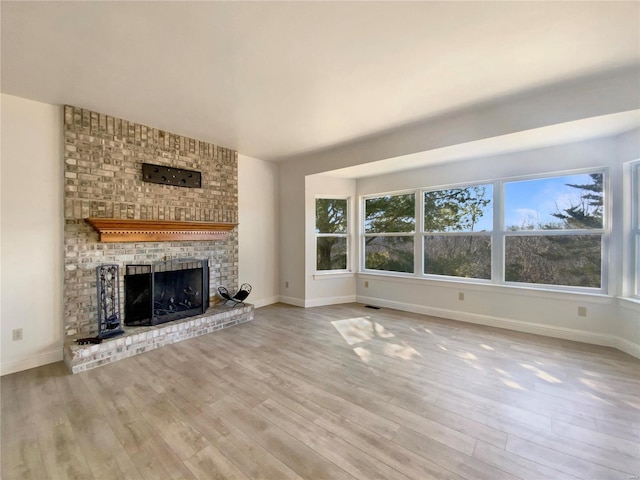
(109, 324)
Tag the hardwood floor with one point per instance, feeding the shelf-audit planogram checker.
(331, 393)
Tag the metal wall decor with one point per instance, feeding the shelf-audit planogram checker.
(178, 177)
(108, 283)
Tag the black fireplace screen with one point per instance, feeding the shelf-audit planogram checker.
(165, 291)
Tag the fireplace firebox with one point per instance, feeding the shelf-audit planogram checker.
(165, 291)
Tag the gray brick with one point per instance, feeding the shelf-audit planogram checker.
(103, 157)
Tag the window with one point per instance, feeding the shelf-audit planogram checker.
(554, 230)
(332, 238)
(389, 227)
(459, 222)
(549, 231)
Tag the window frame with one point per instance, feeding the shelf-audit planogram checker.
(498, 234)
(363, 234)
(486, 233)
(602, 232)
(346, 235)
(634, 235)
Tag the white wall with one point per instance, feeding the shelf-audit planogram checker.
(32, 233)
(607, 93)
(292, 235)
(610, 92)
(258, 230)
(327, 288)
(531, 310)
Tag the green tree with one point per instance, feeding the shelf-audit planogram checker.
(331, 217)
(587, 212)
(455, 209)
(562, 259)
(579, 257)
(390, 214)
(458, 256)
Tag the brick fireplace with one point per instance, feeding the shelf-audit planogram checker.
(103, 180)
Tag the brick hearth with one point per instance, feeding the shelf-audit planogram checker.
(137, 340)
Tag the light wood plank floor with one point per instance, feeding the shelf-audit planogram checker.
(331, 393)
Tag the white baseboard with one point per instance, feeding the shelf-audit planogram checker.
(317, 302)
(31, 362)
(321, 302)
(626, 346)
(526, 327)
(263, 302)
(298, 302)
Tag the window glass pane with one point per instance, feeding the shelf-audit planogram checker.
(331, 215)
(557, 203)
(573, 260)
(331, 253)
(466, 209)
(393, 254)
(458, 256)
(393, 213)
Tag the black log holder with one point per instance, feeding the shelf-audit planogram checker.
(108, 286)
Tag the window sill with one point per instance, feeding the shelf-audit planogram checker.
(333, 275)
(630, 303)
(469, 284)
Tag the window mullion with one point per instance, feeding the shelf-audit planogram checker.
(418, 247)
(497, 237)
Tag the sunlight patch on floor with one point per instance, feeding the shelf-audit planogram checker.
(591, 384)
(473, 365)
(541, 374)
(404, 352)
(633, 404)
(512, 384)
(360, 329)
(503, 372)
(363, 353)
(596, 397)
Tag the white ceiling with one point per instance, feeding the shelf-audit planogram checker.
(575, 131)
(278, 79)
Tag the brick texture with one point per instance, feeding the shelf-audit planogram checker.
(137, 340)
(103, 178)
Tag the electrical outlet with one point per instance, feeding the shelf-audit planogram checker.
(460, 295)
(17, 334)
(286, 284)
(366, 284)
(582, 311)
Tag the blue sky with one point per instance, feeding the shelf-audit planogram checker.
(533, 201)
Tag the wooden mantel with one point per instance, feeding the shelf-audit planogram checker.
(122, 230)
